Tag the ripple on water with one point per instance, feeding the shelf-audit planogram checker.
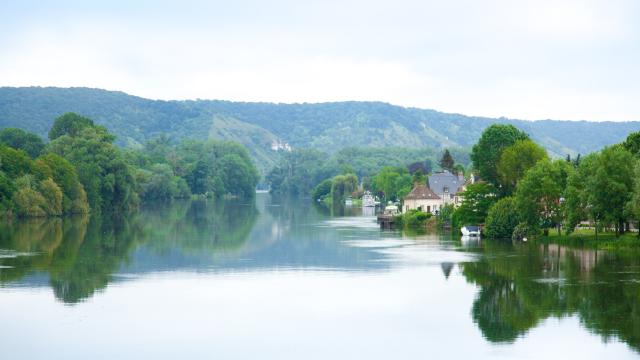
(351, 222)
(379, 243)
(10, 254)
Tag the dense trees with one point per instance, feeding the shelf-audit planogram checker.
(502, 219)
(82, 170)
(393, 183)
(478, 198)
(301, 170)
(22, 140)
(107, 178)
(539, 198)
(601, 188)
(486, 153)
(47, 186)
(514, 162)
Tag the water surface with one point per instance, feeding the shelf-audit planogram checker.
(288, 280)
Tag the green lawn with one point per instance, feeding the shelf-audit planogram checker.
(587, 238)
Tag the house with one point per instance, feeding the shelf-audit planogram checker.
(448, 186)
(422, 198)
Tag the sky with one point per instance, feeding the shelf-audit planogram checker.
(560, 59)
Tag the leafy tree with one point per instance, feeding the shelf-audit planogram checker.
(632, 143)
(539, 196)
(485, 154)
(633, 206)
(239, 176)
(298, 172)
(102, 170)
(52, 194)
(19, 139)
(342, 186)
(424, 166)
(69, 124)
(446, 161)
(476, 201)
(502, 219)
(393, 182)
(516, 160)
(419, 178)
(63, 173)
(321, 190)
(14, 163)
(601, 188)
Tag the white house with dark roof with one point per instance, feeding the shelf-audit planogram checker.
(422, 198)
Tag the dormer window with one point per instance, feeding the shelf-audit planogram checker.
(446, 189)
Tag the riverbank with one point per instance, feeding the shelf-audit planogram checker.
(587, 238)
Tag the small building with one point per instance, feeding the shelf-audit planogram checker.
(422, 198)
(448, 187)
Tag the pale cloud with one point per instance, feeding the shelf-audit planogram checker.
(523, 59)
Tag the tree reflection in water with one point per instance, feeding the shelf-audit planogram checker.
(80, 254)
(522, 285)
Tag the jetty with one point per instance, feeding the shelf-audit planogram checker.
(386, 221)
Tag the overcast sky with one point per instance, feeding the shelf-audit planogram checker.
(520, 59)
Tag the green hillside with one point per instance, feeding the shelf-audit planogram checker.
(328, 127)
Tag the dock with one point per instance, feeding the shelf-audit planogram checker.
(386, 221)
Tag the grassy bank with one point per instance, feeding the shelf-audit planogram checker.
(587, 238)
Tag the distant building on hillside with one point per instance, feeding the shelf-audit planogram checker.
(279, 145)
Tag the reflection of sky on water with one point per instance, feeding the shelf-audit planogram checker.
(295, 283)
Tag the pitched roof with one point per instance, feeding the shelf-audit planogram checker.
(421, 192)
(439, 181)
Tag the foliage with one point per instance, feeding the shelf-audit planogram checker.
(19, 139)
(601, 188)
(392, 182)
(514, 162)
(69, 124)
(327, 127)
(446, 161)
(298, 172)
(413, 219)
(486, 153)
(63, 173)
(502, 219)
(632, 143)
(107, 178)
(445, 216)
(321, 190)
(342, 186)
(476, 201)
(633, 206)
(540, 194)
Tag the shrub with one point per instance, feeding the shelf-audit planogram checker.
(501, 219)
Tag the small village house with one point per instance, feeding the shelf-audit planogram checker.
(422, 198)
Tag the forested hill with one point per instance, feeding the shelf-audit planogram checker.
(325, 126)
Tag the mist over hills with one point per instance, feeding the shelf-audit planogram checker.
(325, 126)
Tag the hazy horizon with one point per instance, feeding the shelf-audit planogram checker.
(561, 60)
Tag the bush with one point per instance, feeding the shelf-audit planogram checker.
(413, 219)
(521, 231)
(501, 219)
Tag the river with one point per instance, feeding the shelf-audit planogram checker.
(285, 279)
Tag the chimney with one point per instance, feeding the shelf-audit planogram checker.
(461, 177)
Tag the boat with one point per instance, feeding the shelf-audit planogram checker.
(348, 201)
(368, 200)
(470, 230)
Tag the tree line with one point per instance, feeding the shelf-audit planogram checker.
(523, 192)
(81, 170)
